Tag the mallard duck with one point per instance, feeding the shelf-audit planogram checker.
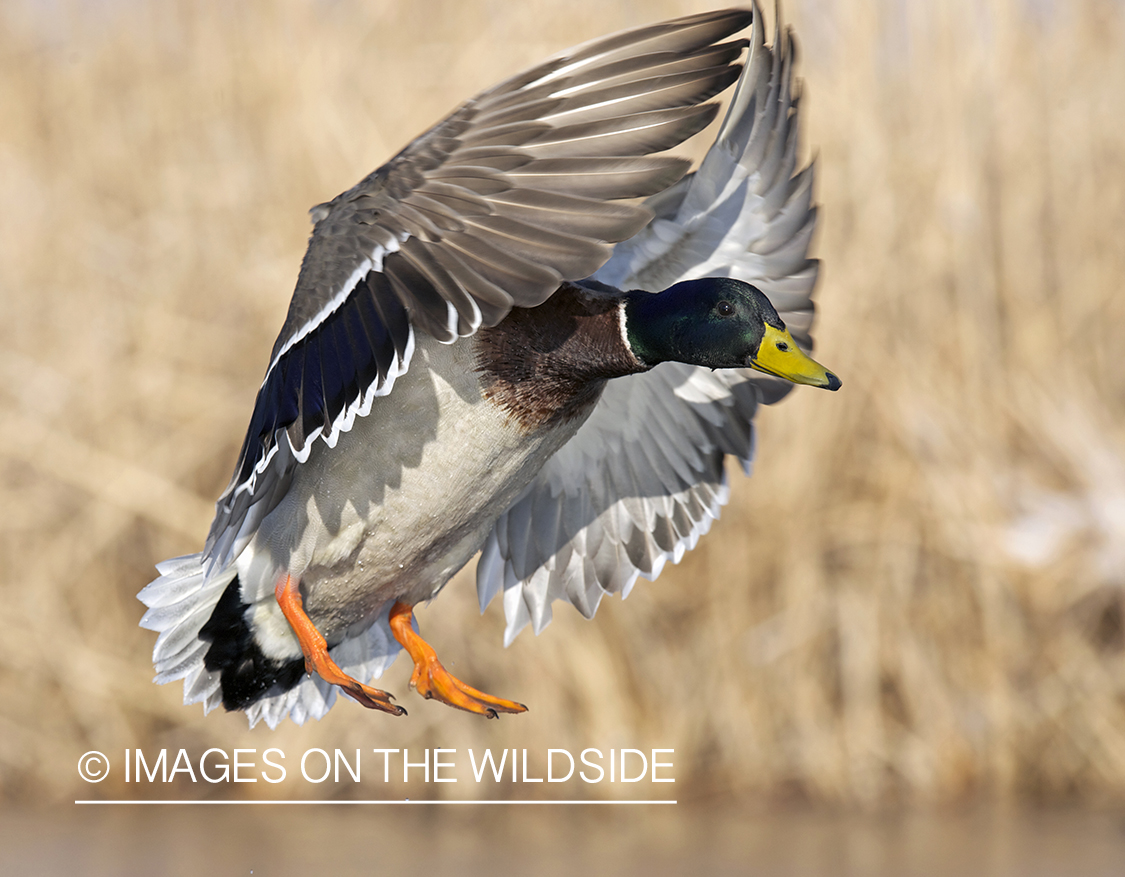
(470, 365)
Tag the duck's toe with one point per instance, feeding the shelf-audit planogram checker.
(434, 682)
(431, 680)
(315, 649)
(372, 698)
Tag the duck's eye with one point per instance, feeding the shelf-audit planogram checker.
(724, 309)
(782, 346)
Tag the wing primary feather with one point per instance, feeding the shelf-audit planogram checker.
(639, 96)
(653, 64)
(674, 37)
(509, 134)
(602, 177)
(588, 217)
(640, 134)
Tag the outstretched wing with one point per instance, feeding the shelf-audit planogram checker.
(643, 478)
(492, 208)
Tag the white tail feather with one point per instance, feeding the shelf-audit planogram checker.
(180, 603)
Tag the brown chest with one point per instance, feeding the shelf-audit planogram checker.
(548, 364)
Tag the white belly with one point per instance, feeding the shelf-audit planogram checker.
(402, 502)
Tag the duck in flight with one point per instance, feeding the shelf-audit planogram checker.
(492, 347)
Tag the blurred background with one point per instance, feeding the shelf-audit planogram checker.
(901, 650)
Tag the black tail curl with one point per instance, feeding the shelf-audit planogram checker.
(247, 675)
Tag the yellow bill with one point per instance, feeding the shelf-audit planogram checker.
(779, 355)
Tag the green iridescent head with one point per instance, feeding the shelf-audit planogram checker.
(718, 322)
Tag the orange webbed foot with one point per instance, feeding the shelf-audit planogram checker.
(315, 649)
(433, 681)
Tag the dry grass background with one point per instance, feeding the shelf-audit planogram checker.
(918, 597)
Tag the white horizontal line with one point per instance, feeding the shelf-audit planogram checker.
(353, 803)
